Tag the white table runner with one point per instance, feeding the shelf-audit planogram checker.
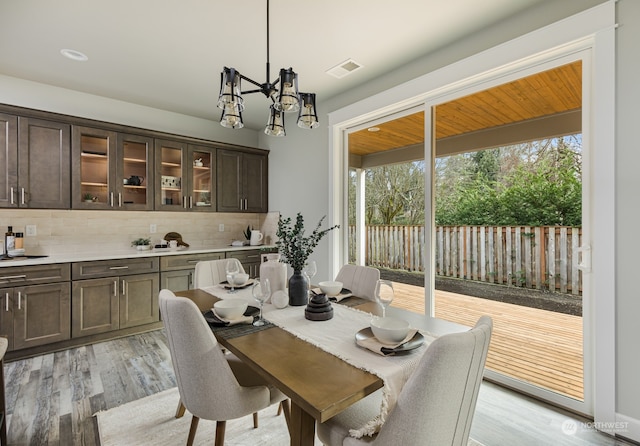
(337, 336)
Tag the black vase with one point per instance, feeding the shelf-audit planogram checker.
(298, 289)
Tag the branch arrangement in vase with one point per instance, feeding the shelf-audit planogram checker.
(292, 244)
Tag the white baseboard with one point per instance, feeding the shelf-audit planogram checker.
(627, 427)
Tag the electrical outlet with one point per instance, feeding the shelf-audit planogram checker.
(153, 229)
(221, 227)
(31, 230)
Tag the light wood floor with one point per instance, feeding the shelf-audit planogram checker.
(540, 347)
(51, 398)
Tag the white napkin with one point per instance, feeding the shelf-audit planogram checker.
(240, 320)
(374, 345)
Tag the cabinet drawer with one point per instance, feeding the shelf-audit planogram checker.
(108, 268)
(186, 261)
(33, 275)
(249, 256)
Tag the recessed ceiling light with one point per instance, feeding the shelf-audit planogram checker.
(74, 55)
(373, 129)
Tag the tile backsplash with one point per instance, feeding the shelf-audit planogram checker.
(67, 231)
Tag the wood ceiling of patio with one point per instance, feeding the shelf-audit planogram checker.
(543, 94)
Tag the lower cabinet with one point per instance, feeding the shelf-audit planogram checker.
(112, 303)
(35, 315)
(176, 272)
(111, 295)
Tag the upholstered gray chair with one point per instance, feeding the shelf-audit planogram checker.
(436, 405)
(210, 386)
(361, 280)
(212, 272)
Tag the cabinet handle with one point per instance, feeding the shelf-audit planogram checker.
(119, 199)
(12, 195)
(190, 202)
(22, 195)
(111, 198)
(190, 280)
(124, 290)
(193, 261)
(21, 276)
(20, 300)
(241, 204)
(119, 267)
(115, 287)
(245, 204)
(6, 302)
(252, 256)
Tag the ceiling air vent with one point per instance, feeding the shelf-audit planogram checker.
(344, 68)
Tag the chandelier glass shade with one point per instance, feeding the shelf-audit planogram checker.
(286, 99)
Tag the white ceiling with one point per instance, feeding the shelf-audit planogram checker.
(168, 54)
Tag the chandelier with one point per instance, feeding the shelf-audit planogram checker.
(285, 100)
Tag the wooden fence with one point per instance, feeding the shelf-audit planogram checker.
(541, 258)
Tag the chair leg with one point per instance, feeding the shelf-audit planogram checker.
(279, 409)
(220, 427)
(180, 410)
(255, 420)
(192, 430)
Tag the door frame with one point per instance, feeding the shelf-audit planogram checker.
(591, 31)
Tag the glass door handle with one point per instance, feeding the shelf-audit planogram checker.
(584, 260)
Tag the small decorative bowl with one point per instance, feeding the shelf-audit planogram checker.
(389, 330)
(230, 309)
(330, 288)
(240, 279)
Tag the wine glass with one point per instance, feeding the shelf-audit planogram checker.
(232, 269)
(310, 270)
(261, 291)
(384, 294)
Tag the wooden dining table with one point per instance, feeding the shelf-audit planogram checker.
(319, 384)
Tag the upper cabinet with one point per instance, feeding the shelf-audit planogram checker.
(34, 163)
(185, 176)
(242, 181)
(111, 170)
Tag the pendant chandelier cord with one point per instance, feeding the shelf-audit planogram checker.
(268, 64)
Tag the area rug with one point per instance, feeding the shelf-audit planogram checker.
(151, 421)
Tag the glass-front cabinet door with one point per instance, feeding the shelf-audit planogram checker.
(201, 185)
(135, 172)
(170, 184)
(94, 168)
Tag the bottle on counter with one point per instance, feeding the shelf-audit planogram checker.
(19, 241)
(9, 240)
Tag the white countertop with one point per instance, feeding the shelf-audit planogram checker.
(130, 253)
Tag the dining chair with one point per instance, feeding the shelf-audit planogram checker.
(210, 386)
(361, 280)
(436, 405)
(209, 273)
(212, 272)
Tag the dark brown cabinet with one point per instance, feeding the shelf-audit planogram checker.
(176, 272)
(34, 163)
(184, 176)
(111, 170)
(35, 305)
(242, 181)
(114, 294)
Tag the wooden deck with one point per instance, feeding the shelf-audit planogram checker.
(540, 347)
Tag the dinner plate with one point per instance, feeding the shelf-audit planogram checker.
(237, 287)
(416, 341)
(211, 318)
